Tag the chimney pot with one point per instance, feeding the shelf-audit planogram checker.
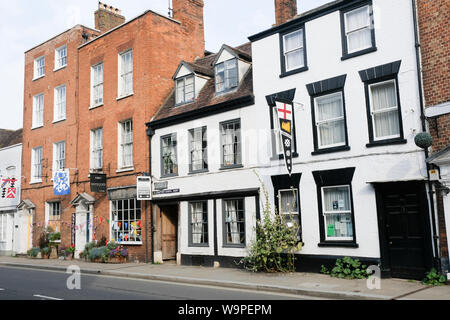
(107, 17)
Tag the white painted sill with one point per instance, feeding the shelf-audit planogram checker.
(59, 68)
(37, 127)
(95, 106)
(59, 120)
(125, 169)
(37, 78)
(125, 96)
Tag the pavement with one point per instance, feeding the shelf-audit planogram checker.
(300, 283)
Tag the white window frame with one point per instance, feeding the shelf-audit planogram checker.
(35, 161)
(38, 67)
(301, 48)
(38, 114)
(318, 123)
(367, 26)
(3, 227)
(122, 143)
(296, 199)
(372, 112)
(204, 150)
(226, 83)
(182, 82)
(96, 86)
(112, 220)
(121, 93)
(58, 58)
(59, 107)
(96, 148)
(56, 156)
(324, 212)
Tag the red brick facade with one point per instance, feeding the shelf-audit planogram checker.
(285, 10)
(158, 44)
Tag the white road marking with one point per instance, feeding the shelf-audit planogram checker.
(45, 297)
(1, 289)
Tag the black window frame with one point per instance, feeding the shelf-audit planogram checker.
(332, 178)
(345, 54)
(284, 72)
(173, 137)
(379, 74)
(184, 92)
(222, 163)
(204, 149)
(225, 243)
(323, 88)
(226, 90)
(190, 233)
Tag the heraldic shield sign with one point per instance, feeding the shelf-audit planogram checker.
(61, 182)
(284, 111)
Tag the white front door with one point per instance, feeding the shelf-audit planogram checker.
(83, 233)
(22, 231)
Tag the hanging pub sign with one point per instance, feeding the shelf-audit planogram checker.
(61, 182)
(98, 182)
(284, 111)
(144, 188)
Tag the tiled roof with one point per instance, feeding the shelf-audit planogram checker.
(10, 137)
(207, 96)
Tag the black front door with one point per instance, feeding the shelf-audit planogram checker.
(404, 229)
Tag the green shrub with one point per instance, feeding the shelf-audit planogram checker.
(433, 278)
(99, 253)
(347, 268)
(275, 245)
(113, 245)
(33, 252)
(46, 251)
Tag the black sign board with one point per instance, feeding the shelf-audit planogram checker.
(166, 191)
(98, 182)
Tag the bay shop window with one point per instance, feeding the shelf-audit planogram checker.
(126, 223)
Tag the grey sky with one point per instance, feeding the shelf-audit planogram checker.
(26, 23)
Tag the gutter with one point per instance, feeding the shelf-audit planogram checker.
(424, 129)
(150, 134)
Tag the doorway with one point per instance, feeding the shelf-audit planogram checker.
(169, 231)
(404, 226)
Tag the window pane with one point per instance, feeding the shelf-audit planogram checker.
(329, 107)
(359, 40)
(331, 133)
(288, 201)
(386, 124)
(293, 41)
(294, 59)
(357, 19)
(336, 199)
(383, 96)
(234, 221)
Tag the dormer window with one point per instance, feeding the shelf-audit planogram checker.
(185, 90)
(226, 75)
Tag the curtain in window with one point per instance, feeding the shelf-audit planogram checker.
(330, 120)
(358, 29)
(231, 219)
(169, 155)
(385, 110)
(337, 212)
(293, 43)
(288, 201)
(197, 149)
(198, 218)
(227, 136)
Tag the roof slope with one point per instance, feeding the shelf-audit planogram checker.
(10, 137)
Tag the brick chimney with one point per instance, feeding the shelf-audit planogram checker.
(190, 14)
(107, 17)
(285, 10)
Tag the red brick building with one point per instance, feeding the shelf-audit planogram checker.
(116, 77)
(434, 39)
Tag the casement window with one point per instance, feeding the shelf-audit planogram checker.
(169, 163)
(358, 35)
(59, 156)
(126, 144)
(59, 110)
(3, 226)
(60, 57)
(293, 52)
(97, 149)
(289, 207)
(184, 90)
(97, 85)
(39, 67)
(198, 223)
(126, 223)
(226, 75)
(36, 165)
(125, 73)
(234, 222)
(198, 150)
(38, 111)
(230, 139)
(336, 213)
(330, 120)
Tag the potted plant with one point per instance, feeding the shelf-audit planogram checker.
(46, 252)
(69, 252)
(33, 252)
(118, 255)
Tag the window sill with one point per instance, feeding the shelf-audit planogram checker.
(59, 68)
(330, 150)
(125, 96)
(95, 171)
(198, 171)
(169, 175)
(295, 71)
(347, 244)
(235, 246)
(125, 169)
(386, 142)
(56, 121)
(35, 182)
(96, 106)
(281, 156)
(37, 78)
(234, 166)
(205, 245)
(346, 56)
(37, 127)
(130, 243)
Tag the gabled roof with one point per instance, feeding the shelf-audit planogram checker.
(82, 197)
(10, 137)
(195, 68)
(27, 203)
(207, 98)
(235, 52)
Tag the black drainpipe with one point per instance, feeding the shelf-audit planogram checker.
(150, 134)
(424, 129)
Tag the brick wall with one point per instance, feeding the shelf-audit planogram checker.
(285, 10)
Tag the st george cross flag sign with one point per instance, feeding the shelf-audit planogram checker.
(61, 182)
(284, 111)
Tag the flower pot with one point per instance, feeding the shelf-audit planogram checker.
(69, 257)
(117, 259)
